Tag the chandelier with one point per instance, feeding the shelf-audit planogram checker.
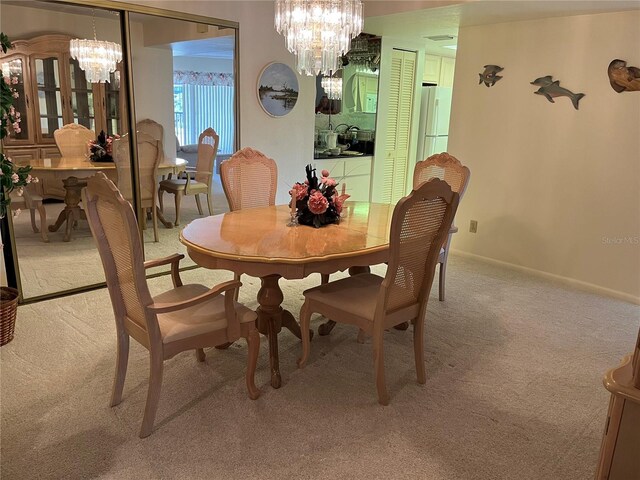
(96, 57)
(333, 87)
(318, 31)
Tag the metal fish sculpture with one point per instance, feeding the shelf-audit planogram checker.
(551, 88)
(623, 78)
(490, 75)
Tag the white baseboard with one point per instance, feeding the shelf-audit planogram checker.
(551, 276)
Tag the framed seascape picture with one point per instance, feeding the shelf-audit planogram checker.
(277, 89)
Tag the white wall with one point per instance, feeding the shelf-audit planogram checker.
(203, 64)
(153, 85)
(553, 189)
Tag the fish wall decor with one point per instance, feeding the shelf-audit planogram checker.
(551, 88)
(623, 78)
(490, 75)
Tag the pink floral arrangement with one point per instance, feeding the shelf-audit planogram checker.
(102, 148)
(9, 116)
(316, 202)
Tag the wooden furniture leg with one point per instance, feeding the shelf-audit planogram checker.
(271, 318)
(326, 327)
(72, 212)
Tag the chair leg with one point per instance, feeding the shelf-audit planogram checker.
(122, 359)
(178, 199)
(418, 349)
(305, 320)
(200, 355)
(442, 274)
(43, 223)
(253, 347)
(198, 204)
(209, 202)
(32, 211)
(153, 395)
(324, 278)
(154, 217)
(236, 277)
(161, 199)
(378, 360)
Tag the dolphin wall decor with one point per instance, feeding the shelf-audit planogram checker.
(551, 88)
(490, 75)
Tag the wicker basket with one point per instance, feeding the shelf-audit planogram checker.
(8, 311)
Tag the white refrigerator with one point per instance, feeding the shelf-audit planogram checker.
(435, 112)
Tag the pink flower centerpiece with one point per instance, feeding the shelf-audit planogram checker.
(316, 202)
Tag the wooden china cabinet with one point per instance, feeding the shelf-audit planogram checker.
(53, 92)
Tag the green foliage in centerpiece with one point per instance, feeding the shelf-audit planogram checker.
(316, 200)
(102, 148)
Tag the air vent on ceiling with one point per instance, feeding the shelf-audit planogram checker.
(440, 38)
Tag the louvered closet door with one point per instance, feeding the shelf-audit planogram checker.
(401, 91)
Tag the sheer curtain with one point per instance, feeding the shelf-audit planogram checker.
(207, 101)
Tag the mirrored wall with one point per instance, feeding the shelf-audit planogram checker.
(183, 121)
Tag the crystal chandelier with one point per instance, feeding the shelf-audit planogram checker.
(333, 87)
(318, 31)
(96, 57)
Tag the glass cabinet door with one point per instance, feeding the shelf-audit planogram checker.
(113, 101)
(15, 69)
(50, 99)
(85, 97)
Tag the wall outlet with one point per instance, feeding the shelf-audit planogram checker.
(473, 226)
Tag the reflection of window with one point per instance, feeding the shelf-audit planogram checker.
(203, 100)
(178, 111)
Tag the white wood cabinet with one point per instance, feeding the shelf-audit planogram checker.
(438, 70)
(447, 69)
(432, 66)
(354, 173)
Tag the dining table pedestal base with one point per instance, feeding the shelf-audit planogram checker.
(72, 212)
(271, 318)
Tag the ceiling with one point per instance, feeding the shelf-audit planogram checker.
(445, 20)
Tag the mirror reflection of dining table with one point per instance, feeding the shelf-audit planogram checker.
(259, 242)
(66, 176)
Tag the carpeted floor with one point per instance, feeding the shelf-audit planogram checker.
(514, 391)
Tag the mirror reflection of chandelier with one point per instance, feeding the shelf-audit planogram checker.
(96, 57)
(318, 31)
(333, 87)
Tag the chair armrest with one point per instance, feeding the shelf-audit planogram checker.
(215, 291)
(174, 260)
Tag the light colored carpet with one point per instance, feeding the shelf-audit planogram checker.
(514, 391)
(58, 265)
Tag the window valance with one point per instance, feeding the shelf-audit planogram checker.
(189, 77)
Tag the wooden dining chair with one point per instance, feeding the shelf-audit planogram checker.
(73, 140)
(152, 128)
(419, 226)
(448, 168)
(202, 181)
(249, 180)
(149, 156)
(31, 201)
(187, 317)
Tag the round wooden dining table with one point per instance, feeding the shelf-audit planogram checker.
(259, 242)
(64, 178)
